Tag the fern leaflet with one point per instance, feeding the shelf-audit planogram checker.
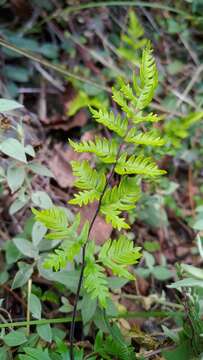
(88, 179)
(119, 254)
(150, 138)
(55, 219)
(112, 122)
(138, 165)
(106, 150)
(95, 282)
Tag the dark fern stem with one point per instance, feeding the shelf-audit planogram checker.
(73, 322)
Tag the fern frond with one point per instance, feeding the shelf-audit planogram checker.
(106, 150)
(91, 181)
(120, 198)
(111, 121)
(88, 178)
(119, 98)
(85, 197)
(95, 283)
(151, 117)
(137, 165)
(119, 254)
(112, 216)
(150, 138)
(148, 79)
(68, 249)
(55, 219)
(123, 196)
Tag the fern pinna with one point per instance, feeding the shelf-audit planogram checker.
(124, 155)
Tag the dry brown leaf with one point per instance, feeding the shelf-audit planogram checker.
(59, 164)
(101, 231)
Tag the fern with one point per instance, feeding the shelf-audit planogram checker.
(150, 138)
(55, 219)
(112, 122)
(104, 149)
(148, 79)
(137, 165)
(133, 41)
(118, 254)
(95, 282)
(68, 249)
(91, 181)
(120, 198)
(94, 185)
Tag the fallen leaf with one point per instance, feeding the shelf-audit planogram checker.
(60, 165)
(101, 231)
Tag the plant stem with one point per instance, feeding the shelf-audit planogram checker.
(29, 289)
(72, 328)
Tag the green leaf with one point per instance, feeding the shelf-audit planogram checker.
(162, 273)
(14, 149)
(45, 332)
(25, 247)
(15, 177)
(38, 232)
(35, 354)
(7, 105)
(105, 149)
(108, 119)
(15, 338)
(35, 306)
(95, 283)
(120, 198)
(17, 205)
(198, 225)
(190, 282)
(22, 276)
(118, 254)
(40, 169)
(91, 181)
(3, 353)
(149, 138)
(17, 73)
(41, 199)
(193, 271)
(138, 165)
(88, 308)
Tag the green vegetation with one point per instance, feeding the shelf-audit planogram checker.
(101, 180)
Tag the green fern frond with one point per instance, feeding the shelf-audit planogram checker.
(55, 219)
(137, 165)
(95, 283)
(111, 121)
(120, 198)
(70, 248)
(150, 138)
(85, 197)
(88, 178)
(119, 98)
(148, 79)
(119, 254)
(91, 181)
(151, 117)
(123, 196)
(106, 150)
(132, 41)
(112, 216)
